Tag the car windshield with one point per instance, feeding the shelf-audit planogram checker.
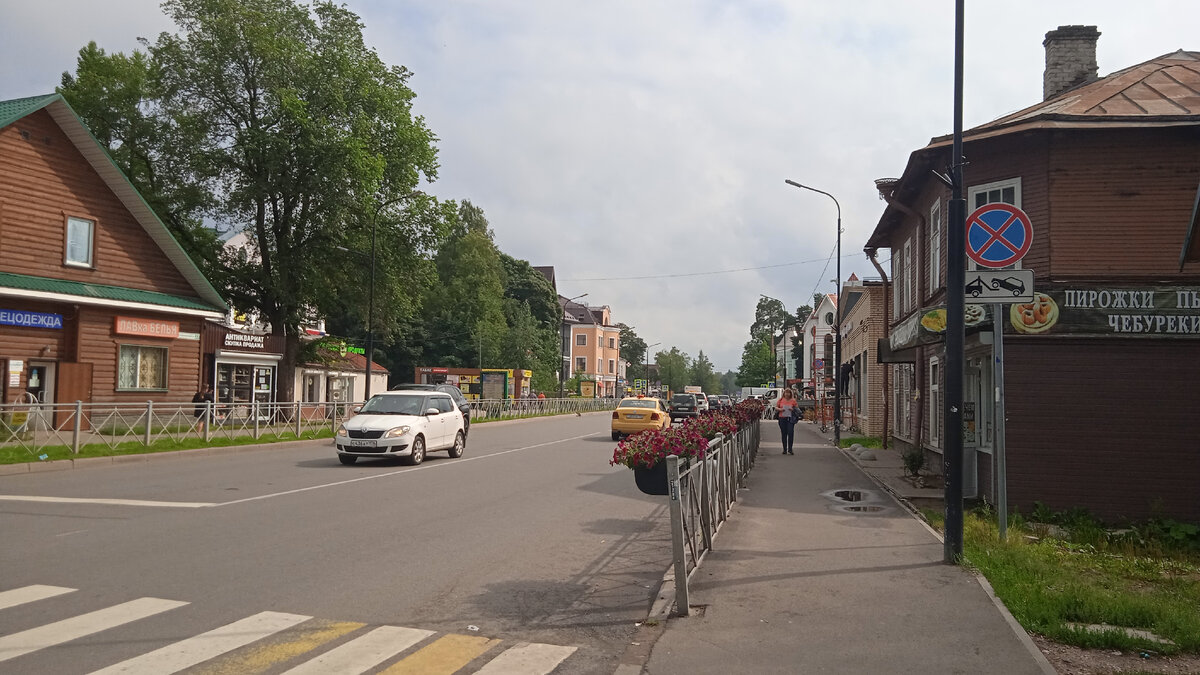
(685, 399)
(393, 405)
(637, 403)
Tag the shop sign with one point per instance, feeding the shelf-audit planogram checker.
(146, 327)
(245, 341)
(195, 337)
(16, 317)
(1114, 310)
(439, 370)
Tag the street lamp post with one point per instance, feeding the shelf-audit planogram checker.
(566, 355)
(371, 292)
(646, 371)
(837, 339)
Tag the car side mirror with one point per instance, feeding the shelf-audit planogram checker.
(432, 411)
(356, 409)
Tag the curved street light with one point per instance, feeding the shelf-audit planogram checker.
(837, 340)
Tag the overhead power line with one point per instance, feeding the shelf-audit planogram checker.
(700, 274)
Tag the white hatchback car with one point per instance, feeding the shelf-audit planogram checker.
(403, 424)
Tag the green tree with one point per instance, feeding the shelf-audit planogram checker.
(729, 383)
(770, 319)
(674, 366)
(797, 340)
(289, 128)
(701, 373)
(534, 316)
(633, 350)
(758, 364)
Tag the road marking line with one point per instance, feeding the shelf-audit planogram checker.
(447, 655)
(115, 502)
(527, 659)
(364, 653)
(427, 467)
(51, 634)
(261, 658)
(186, 653)
(20, 596)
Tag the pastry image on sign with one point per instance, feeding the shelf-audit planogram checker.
(1034, 317)
(934, 320)
(973, 314)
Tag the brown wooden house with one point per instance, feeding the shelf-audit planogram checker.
(1101, 370)
(98, 302)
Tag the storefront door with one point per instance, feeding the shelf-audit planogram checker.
(977, 419)
(39, 386)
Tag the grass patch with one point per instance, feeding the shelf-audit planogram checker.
(865, 441)
(19, 455)
(1144, 577)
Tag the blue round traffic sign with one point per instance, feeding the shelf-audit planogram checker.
(998, 235)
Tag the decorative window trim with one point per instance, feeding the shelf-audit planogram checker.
(581, 339)
(166, 368)
(581, 364)
(90, 262)
(935, 401)
(612, 366)
(935, 246)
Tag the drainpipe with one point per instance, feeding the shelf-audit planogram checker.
(887, 325)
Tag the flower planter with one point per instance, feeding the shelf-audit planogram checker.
(652, 481)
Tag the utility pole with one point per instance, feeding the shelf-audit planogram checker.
(956, 266)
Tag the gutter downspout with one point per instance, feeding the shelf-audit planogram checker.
(887, 330)
(920, 374)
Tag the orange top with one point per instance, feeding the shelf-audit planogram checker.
(785, 403)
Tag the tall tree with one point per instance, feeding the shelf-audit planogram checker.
(701, 373)
(633, 350)
(729, 382)
(758, 364)
(770, 319)
(534, 316)
(288, 127)
(673, 365)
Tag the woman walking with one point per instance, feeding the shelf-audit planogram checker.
(787, 413)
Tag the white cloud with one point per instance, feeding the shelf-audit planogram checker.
(622, 139)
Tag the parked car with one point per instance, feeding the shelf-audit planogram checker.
(402, 424)
(683, 406)
(464, 406)
(638, 413)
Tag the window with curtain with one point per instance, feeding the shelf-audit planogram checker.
(79, 241)
(142, 368)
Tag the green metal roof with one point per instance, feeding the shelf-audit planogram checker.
(15, 109)
(101, 292)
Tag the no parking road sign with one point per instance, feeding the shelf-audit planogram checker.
(998, 235)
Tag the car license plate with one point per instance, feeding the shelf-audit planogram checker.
(358, 443)
(634, 417)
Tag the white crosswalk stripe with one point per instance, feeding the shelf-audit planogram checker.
(18, 644)
(187, 653)
(257, 633)
(20, 596)
(362, 654)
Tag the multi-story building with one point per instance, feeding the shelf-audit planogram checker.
(865, 405)
(594, 346)
(1100, 370)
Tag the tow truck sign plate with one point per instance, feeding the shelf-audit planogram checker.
(1000, 286)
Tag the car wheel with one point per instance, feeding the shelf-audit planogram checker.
(460, 444)
(347, 459)
(418, 452)
(616, 435)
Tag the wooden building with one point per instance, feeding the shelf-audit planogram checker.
(1101, 370)
(98, 302)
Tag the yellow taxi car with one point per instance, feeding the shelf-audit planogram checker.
(639, 413)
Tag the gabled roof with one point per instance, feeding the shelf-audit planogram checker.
(1161, 92)
(96, 156)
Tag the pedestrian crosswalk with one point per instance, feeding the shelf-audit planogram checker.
(271, 641)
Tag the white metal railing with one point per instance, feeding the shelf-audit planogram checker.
(700, 496)
(29, 430)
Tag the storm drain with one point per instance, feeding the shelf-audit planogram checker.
(856, 501)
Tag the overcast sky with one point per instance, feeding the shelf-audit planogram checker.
(616, 140)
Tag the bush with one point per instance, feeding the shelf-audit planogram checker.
(914, 461)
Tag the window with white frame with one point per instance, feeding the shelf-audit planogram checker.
(908, 277)
(935, 246)
(935, 403)
(1005, 191)
(612, 344)
(142, 368)
(896, 259)
(581, 364)
(581, 340)
(599, 365)
(79, 241)
(612, 366)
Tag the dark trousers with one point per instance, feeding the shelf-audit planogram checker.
(787, 430)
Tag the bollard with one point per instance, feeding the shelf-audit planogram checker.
(149, 421)
(297, 419)
(254, 413)
(78, 427)
(677, 550)
(209, 417)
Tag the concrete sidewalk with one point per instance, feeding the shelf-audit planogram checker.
(804, 580)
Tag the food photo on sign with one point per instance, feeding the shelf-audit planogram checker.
(1127, 311)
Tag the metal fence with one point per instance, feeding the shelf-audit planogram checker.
(700, 498)
(39, 428)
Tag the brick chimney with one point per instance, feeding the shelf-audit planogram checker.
(1070, 59)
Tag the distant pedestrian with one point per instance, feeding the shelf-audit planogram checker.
(203, 400)
(788, 411)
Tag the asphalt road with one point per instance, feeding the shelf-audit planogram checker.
(530, 537)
